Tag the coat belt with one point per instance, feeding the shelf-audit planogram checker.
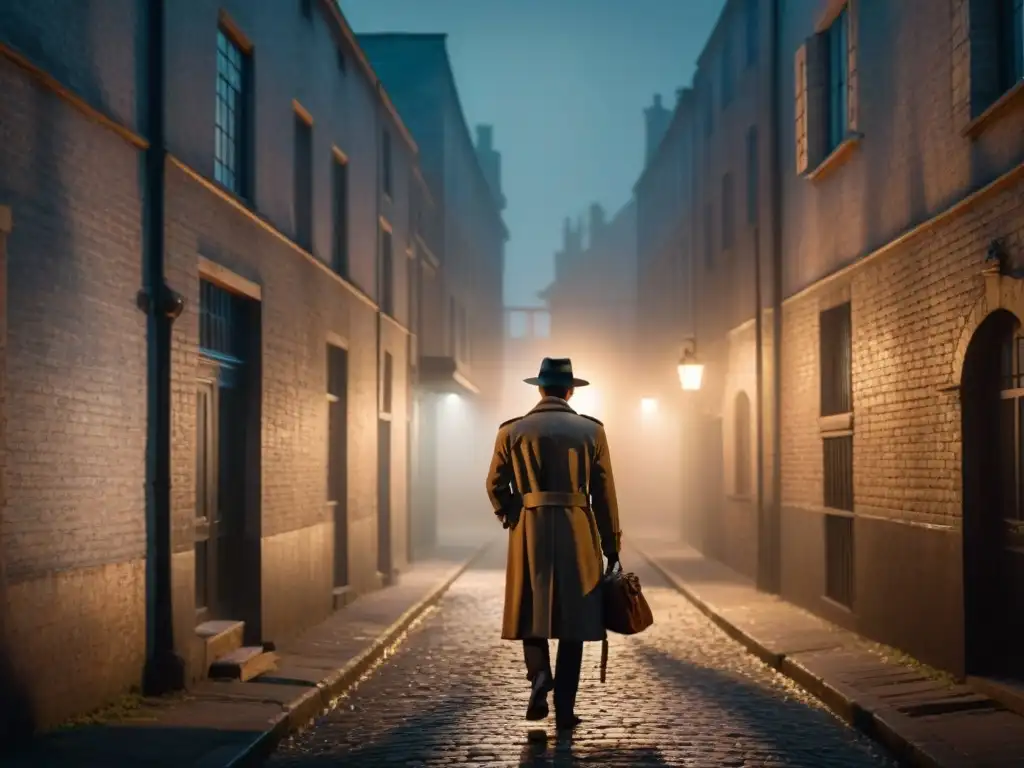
(536, 499)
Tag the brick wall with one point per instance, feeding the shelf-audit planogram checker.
(73, 521)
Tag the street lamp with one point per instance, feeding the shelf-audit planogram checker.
(691, 372)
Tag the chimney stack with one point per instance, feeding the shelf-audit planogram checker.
(657, 119)
(490, 161)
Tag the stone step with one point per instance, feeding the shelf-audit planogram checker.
(343, 596)
(243, 664)
(220, 638)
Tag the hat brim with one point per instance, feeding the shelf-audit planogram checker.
(538, 381)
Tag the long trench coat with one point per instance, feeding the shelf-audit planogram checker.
(551, 476)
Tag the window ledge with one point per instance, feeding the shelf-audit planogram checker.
(838, 422)
(837, 157)
(1010, 100)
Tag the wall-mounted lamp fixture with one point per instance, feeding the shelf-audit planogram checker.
(691, 372)
(997, 259)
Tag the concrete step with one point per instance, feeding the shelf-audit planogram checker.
(220, 638)
(243, 664)
(343, 596)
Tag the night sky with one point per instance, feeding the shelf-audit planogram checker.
(565, 83)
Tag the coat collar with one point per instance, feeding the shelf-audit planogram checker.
(548, 404)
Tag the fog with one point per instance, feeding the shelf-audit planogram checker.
(643, 430)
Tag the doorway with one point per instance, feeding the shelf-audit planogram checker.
(385, 560)
(337, 458)
(992, 393)
(227, 530)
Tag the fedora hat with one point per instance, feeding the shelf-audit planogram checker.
(556, 372)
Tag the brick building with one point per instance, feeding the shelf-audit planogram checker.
(883, 192)
(292, 219)
(460, 376)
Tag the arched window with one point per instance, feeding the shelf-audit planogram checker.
(741, 446)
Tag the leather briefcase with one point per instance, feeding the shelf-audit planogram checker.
(626, 611)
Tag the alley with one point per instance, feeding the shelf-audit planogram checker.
(681, 694)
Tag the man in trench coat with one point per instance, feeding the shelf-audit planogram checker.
(551, 484)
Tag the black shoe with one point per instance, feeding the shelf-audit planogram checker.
(567, 723)
(537, 709)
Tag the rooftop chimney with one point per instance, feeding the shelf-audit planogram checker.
(490, 161)
(657, 119)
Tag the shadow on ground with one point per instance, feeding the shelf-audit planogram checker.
(783, 731)
(114, 744)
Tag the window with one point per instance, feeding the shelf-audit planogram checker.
(453, 338)
(387, 384)
(728, 73)
(385, 158)
(728, 212)
(231, 121)
(753, 175)
(751, 37)
(709, 244)
(1011, 46)
(709, 117)
(836, 356)
(339, 183)
(337, 398)
(337, 456)
(303, 183)
(387, 273)
(837, 47)
(742, 453)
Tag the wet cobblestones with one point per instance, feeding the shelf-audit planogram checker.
(680, 694)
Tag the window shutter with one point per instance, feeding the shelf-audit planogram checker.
(816, 99)
(852, 12)
(800, 73)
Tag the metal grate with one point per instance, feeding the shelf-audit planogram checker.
(839, 568)
(838, 472)
(835, 355)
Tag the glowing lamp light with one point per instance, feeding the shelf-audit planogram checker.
(452, 398)
(649, 405)
(690, 372)
(586, 400)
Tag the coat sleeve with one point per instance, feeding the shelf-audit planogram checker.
(500, 476)
(602, 496)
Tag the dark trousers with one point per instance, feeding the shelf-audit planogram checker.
(567, 669)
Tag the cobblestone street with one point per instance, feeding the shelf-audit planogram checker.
(681, 694)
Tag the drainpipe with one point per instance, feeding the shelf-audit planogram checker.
(775, 516)
(164, 670)
(384, 578)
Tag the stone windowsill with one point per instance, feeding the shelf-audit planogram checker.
(1002, 106)
(837, 157)
(836, 423)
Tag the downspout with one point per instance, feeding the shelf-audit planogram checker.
(384, 578)
(763, 565)
(164, 669)
(774, 529)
